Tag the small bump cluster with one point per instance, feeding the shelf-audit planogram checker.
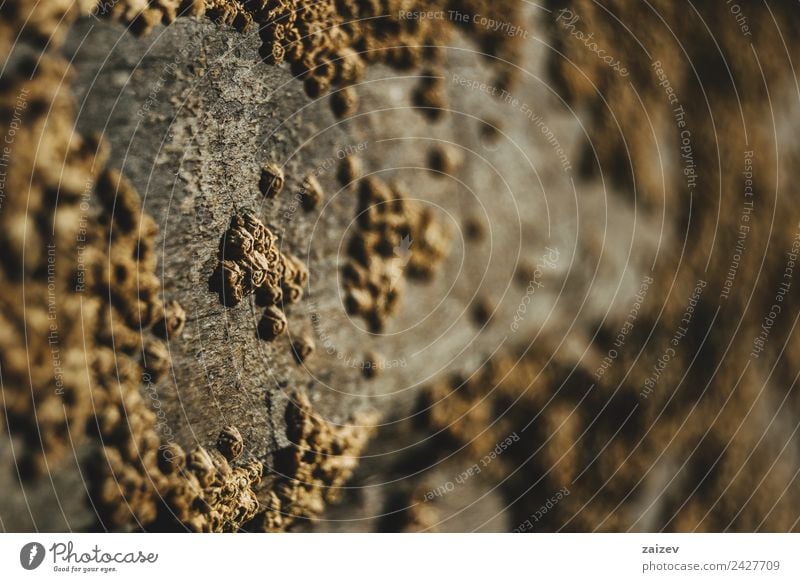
(395, 238)
(162, 488)
(43, 346)
(251, 263)
(313, 469)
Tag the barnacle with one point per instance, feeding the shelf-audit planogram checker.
(313, 469)
(311, 193)
(344, 102)
(315, 86)
(349, 170)
(172, 320)
(272, 180)
(430, 95)
(155, 358)
(443, 160)
(524, 274)
(490, 130)
(474, 228)
(171, 458)
(273, 323)
(230, 443)
(302, 348)
(372, 365)
(295, 277)
(482, 310)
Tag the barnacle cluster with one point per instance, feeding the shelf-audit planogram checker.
(395, 237)
(78, 311)
(450, 404)
(85, 298)
(251, 263)
(328, 42)
(143, 15)
(312, 471)
(126, 279)
(160, 487)
(46, 390)
(137, 478)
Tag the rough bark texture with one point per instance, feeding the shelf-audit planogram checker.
(564, 184)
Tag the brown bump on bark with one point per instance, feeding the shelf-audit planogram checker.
(172, 320)
(302, 347)
(372, 365)
(482, 310)
(311, 193)
(349, 170)
(230, 443)
(271, 181)
(272, 324)
(344, 102)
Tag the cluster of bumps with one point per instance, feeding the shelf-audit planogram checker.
(42, 319)
(395, 237)
(312, 471)
(138, 478)
(251, 263)
(328, 43)
(80, 323)
(199, 491)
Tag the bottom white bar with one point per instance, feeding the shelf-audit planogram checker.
(401, 557)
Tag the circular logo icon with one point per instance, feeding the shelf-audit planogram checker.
(31, 555)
